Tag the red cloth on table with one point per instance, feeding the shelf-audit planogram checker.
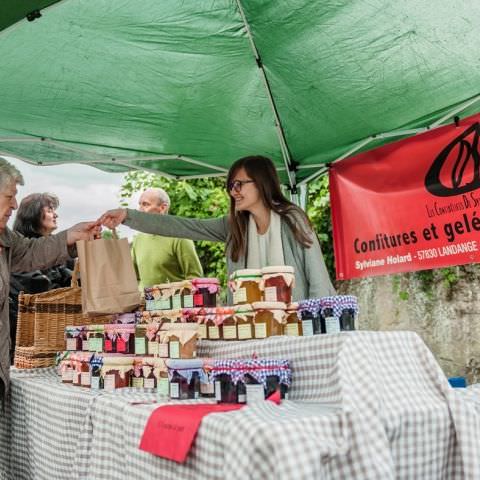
(171, 429)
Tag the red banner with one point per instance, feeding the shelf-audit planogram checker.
(410, 205)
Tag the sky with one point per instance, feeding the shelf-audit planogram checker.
(84, 192)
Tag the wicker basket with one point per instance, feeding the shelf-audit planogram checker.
(32, 357)
(42, 318)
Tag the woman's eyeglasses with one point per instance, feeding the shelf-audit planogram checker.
(237, 185)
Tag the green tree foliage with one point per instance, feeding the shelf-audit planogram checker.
(198, 198)
(207, 198)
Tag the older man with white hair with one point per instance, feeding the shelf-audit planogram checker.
(160, 259)
(21, 254)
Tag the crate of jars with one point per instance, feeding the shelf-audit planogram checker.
(328, 315)
(195, 293)
(269, 284)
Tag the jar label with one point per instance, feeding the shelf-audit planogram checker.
(207, 388)
(291, 329)
(140, 346)
(152, 348)
(174, 390)
(176, 302)
(85, 379)
(137, 382)
(95, 383)
(163, 387)
(198, 299)
(188, 301)
(174, 348)
(260, 330)
(85, 345)
(242, 398)
(95, 344)
(270, 294)
(218, 391)
(67, 375)
(149, 383)
(332, 325)
(240, 296)
(121, 345)
(150, 304)
(163, 350)
(163, 304)
(213, 333)
(244, 331)
(109, 382)
(307, 327)
(76, 377)
(108, 345)
(71, 343)
(202, 331)
(255, 393)
(230, 332)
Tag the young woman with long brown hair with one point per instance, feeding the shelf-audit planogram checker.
(262, 229)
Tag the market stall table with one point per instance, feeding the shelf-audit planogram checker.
(394, 416)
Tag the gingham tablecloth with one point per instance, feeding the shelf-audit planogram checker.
(393, 416)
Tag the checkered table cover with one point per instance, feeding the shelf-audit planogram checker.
(395, 416)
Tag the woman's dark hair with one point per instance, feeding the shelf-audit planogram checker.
(28, 220)
(262, 171)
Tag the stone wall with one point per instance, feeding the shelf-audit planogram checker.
(446, 314)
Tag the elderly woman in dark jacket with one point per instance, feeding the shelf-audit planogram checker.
(36, 217)
(21, 254)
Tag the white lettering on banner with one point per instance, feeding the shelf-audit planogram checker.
(457, 248)
(370, 263)
(394, 259)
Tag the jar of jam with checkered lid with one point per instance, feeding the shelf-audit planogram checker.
(269, 319)
(278, 283)
(245, 286)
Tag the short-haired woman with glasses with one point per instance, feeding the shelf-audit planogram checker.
(262, 229)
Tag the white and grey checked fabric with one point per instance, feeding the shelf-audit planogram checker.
(395, 416)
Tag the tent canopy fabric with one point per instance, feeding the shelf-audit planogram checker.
(184, 88)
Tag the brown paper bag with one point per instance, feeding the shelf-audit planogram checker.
(109, 283)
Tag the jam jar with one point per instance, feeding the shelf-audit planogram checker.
(182, 295)
(205, 292)
(73, 338)
(244, 316)
(229, 325)
(293, 324)
(185, 378)
(162, 344)
(149, 378)
(348, 305)
(309, 311)
(125, 339)
(140, 339)
(213, 322)
(116, 371)
(110, 338)
(66, 368)
(95, 338)
(201, 320)
(269, 318)
(96, 380)
(163, 293)
(151, 336)
(207, 386)
(330, 314)
(83, 364)
(246, 286)
(137, 374)
(182, 340)
(278, 283)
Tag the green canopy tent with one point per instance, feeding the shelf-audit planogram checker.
(183, 88)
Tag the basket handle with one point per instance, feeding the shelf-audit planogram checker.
(75, 274)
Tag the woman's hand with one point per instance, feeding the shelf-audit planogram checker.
(113, 218)
(83, 231)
